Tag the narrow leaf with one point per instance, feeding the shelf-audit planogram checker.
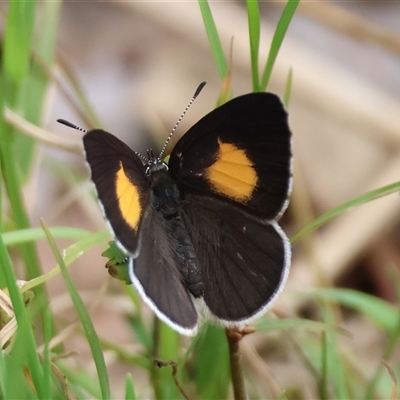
(253, 17)
(277, 40)
(84, 317)
(213, 38)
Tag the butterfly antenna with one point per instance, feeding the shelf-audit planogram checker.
(196, 93)
(142, 157)
(71, 125)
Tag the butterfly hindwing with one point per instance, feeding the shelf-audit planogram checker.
(156, 275)
(239, 152)
(121, 184)
(245, 261)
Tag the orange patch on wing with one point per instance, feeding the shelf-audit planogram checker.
(233, 174)
(128, 198)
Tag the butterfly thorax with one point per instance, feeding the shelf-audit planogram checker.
(165, 193)
(166, 200)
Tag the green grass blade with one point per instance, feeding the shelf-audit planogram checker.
(282, 396)
(84, 317)
(31, 92)
(392, 342)
(21, 383)
(332, 363)
(17, 40)
(80, 381)
(288, 89)
(212, 345)
(23, 321)
(141, 330)
(25, 81)
(47, 333)
(71, 254)
(129, 388)
(142, 361)
(383, 315)
(82, 105)
(166, 347)
(34, 234)
(335, 212)
(253, 18)
(3, 128)
(213, 38)
(4, 376)
(271, 324)
(324, 379)
(19, 214)
(277, 40)
(16, 67)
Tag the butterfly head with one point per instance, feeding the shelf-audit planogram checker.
(153, 164)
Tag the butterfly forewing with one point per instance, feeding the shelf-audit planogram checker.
(239, 152)
(121, 184)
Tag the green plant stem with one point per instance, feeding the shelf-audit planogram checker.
(239, 390)
(155, 355)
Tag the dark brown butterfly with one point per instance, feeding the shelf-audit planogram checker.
(202, 231)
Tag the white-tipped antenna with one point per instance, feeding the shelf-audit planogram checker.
(71, 125)
(196, 93)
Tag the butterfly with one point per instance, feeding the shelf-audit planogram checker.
(200, 232)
